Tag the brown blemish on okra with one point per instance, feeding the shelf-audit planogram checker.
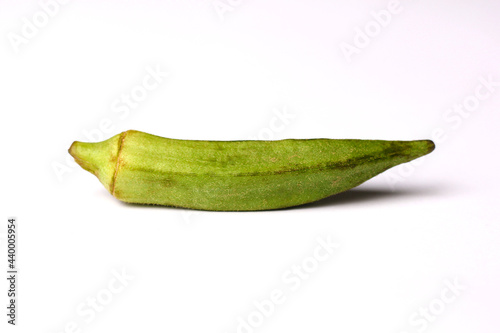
(118, 160)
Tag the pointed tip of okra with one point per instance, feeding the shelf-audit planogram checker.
(98, 158)
(399, 152)
(421, 148)
(85, 155)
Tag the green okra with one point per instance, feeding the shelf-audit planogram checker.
(137, 167)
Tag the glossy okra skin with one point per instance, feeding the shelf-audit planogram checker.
(137, 167)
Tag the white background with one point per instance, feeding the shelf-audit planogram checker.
(404, 236)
